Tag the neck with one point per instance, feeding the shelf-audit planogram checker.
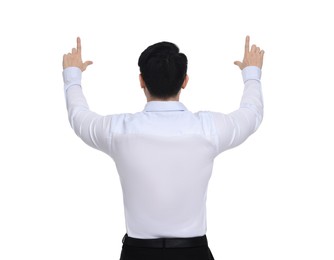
(166, 99)
(151, 98)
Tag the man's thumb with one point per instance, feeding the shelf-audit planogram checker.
(239, 64)
(86, 64)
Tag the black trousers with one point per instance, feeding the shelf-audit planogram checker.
(165, 249)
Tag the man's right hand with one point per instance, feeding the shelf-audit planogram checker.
(252, 57)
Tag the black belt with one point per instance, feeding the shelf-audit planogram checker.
(166, 242)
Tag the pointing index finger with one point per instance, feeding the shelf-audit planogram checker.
(247, 44)
(78, 44)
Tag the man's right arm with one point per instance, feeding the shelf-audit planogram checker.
(234, 128)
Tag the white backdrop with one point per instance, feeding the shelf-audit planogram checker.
(270, 198)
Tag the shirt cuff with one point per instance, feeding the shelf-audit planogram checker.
(72, 77)
(251, 72)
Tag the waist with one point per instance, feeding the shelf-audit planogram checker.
(166, 242)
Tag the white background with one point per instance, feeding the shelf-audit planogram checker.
(270, 198)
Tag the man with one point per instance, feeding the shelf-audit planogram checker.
(164, 154)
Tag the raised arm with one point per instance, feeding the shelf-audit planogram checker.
(92, 128)
(236, 127)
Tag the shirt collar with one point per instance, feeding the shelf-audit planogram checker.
(164, 106)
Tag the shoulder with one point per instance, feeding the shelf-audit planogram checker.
(204, 115)
(207, 119)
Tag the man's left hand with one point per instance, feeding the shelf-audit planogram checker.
(73, 59)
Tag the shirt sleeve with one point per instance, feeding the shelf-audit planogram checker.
(92, 128)
(234, 128)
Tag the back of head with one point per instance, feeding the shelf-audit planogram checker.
(163, 69)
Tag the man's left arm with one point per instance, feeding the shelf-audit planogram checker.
(92, 128)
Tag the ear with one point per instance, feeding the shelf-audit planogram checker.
(185, 82)
(142, 82)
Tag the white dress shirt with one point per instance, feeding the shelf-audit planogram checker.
(164, 155)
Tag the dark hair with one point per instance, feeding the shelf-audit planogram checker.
(163, 68)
